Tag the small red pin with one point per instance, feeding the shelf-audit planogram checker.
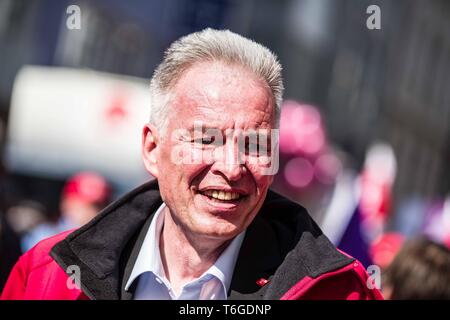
(262, 282)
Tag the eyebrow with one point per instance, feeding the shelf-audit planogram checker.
(248, 132)
(204, 127)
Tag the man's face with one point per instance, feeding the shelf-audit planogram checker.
(219, 197)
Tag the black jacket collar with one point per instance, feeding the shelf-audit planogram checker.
(282, 244)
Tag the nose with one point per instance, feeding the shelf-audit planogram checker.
(233, 172)
(227, 162)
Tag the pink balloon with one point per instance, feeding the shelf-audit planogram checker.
(299, 172)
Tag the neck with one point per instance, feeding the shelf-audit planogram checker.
(187, 255)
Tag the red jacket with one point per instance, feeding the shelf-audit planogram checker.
(298, 274)
(36, 276)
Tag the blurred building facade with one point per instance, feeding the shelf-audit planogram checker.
(416, 100)
(389, 84)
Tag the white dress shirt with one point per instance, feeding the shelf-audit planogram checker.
(152, 284)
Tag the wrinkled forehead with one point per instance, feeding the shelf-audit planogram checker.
(223, 96)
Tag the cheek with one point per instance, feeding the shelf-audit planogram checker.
(189, 161)
(183, 153)
(264, 183)
(192, 174)
(259, 174)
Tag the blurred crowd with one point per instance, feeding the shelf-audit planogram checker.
(27, 222)
(406, 249)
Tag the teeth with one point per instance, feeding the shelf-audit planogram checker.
(222, 195)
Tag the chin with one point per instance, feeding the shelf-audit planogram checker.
(223, 230)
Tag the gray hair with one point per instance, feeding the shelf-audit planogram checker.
(212, 45)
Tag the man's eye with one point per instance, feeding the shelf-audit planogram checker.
(204, 140)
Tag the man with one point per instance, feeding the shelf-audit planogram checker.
(208, 227)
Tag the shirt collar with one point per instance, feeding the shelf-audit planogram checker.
(149, 257)
(223, 268)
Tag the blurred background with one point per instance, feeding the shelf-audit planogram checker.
(365, 126)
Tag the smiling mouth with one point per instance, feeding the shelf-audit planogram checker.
(222, 196)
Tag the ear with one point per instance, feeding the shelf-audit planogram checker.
(150, 149)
